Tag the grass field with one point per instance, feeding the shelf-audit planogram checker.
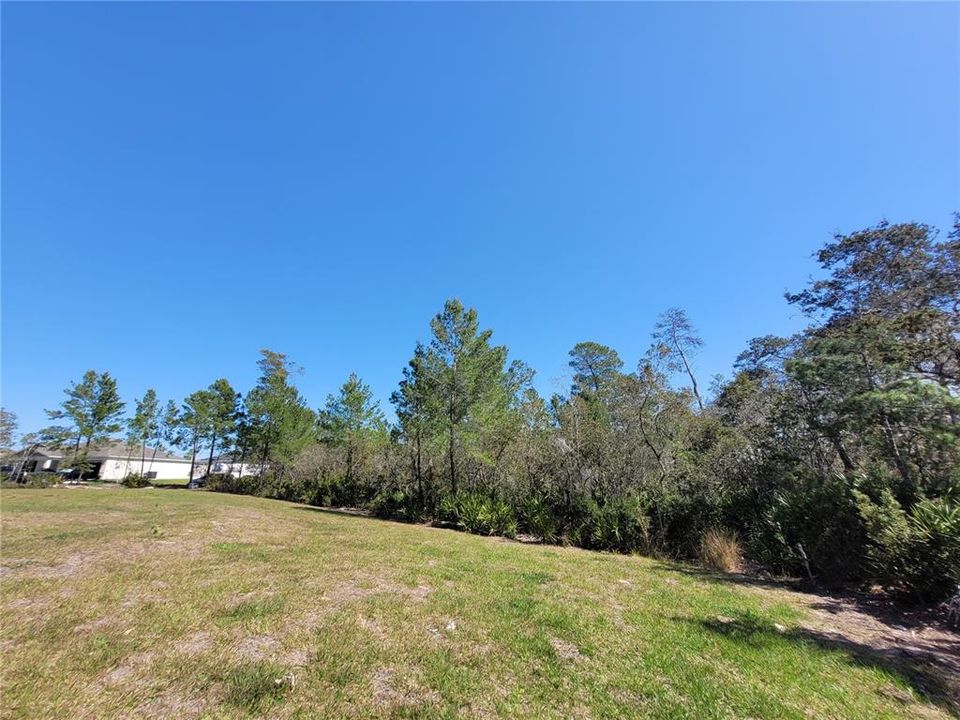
(168, 603)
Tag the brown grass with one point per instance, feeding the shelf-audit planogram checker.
(720, 550)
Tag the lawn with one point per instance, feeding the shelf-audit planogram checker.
(177, 482)
(167, 603)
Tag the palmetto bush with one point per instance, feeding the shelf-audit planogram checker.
(537, 518)
(916, 553)
(622, 525)
(473, 513)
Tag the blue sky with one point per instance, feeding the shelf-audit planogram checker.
(184, 184)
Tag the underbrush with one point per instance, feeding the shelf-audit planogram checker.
(840, 531)
(32, 480)
(135, 480)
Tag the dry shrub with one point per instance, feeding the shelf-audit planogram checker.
(720, 550)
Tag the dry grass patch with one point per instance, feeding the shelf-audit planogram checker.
(720, 550)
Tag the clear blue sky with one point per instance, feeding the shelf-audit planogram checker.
(184, 184)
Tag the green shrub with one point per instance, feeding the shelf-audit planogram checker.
(449, 509)
(537, 518)
(816, 523)
(135, 480)
(500, 519)
(34, 480)
(916, 553)
(247, 485)
(395, 505)
(473, 513)
(620, 525)
(478, 514)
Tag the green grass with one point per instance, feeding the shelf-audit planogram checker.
(132, 603)
(175, 482)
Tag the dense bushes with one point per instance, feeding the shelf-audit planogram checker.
(135, 480)
(916, 553)
(832, 455)
(34, 479)
(479, 514)
(246, 485)
(812, 525)
(396, 504)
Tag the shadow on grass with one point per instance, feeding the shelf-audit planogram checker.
(835, 601)
(930, 674)
(521, 538)
(715, 576)
(352, 512)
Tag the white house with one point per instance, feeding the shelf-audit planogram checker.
(229, 465)
(114, 460)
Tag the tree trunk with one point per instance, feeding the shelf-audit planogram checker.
(193, 459)
(263, 462)
(648, 442)
(349, 475)
(898, 460)
(153, 457)
(848, 464)
(213, 444)
(693, 380)
(453, 464)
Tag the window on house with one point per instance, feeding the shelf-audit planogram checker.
(152, 475)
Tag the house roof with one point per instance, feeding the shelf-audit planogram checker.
(112, 450)
(230, 458)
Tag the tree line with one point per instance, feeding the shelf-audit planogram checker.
(832, 454)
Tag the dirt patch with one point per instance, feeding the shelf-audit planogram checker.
(347, 591)
(873, 631)
(131, 666)
(297, 658)
(67, 568)
(372, 627)
(171, 704)
(392, 689)
(258, 647)
(119, 675)
(383, 691)
(444, 631)
(565, 650)
(925, 648)
(22, 604)
(194, 644)
(101, 558)
(104, 623)
(12, 565)
(123, 675)
(418, 593)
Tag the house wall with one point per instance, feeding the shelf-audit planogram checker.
(235, 469)
(118, 469)
(38, 463)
